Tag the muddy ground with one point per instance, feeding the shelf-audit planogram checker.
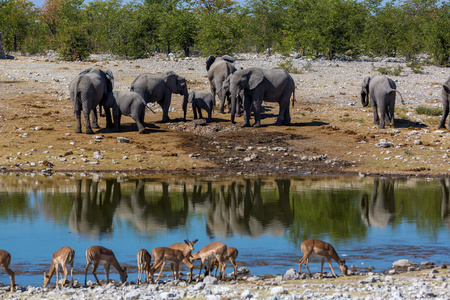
(331, 133)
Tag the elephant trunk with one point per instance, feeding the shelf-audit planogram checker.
(233, 106)
(185, 104)
(364, 98)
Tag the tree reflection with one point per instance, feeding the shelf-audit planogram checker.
(379, 210)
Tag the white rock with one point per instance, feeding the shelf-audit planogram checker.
(278, 290)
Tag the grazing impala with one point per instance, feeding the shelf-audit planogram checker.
(97, 255)
(63, 257)
(5, 260)
(182, 247)
(143, 261)
(216, 250)
(318, 248)
(232, 254)
(174, 257)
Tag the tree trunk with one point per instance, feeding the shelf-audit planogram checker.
(2, 51)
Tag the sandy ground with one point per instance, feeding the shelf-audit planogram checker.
(331, 133)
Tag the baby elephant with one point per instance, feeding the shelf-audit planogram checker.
(382, 91)
(128, 104)
(201, 100)
(445, 101)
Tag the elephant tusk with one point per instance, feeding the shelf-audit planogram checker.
(149, 108)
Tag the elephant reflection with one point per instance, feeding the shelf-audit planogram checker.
(241, 209)
(379, 211)
(154, 211)
(92, 212)
(445, 205)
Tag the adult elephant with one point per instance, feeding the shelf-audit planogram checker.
(159, 88)
(273, 85)
(445, 103)
(86, 91)
(382, 91)
(218, 70)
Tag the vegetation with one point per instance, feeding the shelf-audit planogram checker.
(429, 111)
(394, 71)
(316, 28)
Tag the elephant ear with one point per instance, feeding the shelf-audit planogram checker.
(171, 81)
(191, 97)
(255, 77)
(446, 88)
(365, 84)
(211, 59)
(228, 58)
(110, 81)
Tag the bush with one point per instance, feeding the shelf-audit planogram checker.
(390, 70)
(287, 65)
(416, 66)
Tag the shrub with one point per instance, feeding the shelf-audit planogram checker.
(429, 111)
(416, 66)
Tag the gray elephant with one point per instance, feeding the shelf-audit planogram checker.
(445, 99)
(128, 104)
(159, 88)
(382, 92)
(86, 91)
(201, 100)
(218, 70)
(240, 97)
(274, 85)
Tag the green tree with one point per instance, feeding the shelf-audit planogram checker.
(16, 23)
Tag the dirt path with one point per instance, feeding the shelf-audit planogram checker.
(331, 133)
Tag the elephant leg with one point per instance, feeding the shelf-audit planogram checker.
(109, 122)
(87, 122)
(165, 105)
(247, 107)
(140, 126)
(229, 105)
(200, 112)
(383, 114)
(376, 120)
(257, 113)
(222, 102)
(209, 116)
(116, 122)
(78, 121)
(94, 118)
(194, 109)
(444, 114)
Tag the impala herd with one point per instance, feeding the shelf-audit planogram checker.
(216, 253)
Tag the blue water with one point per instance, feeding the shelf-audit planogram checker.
(266, 219)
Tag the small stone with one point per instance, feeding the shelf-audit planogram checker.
(98, 155)
(122, 140)
(418, 142)
(97, 137)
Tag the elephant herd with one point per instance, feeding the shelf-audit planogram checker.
(243, 89)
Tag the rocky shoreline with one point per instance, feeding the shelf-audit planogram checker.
(405, 280)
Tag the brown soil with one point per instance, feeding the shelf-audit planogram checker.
(323, 139)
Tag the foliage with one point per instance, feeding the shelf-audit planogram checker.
(136, 29)
(429, 111)
(416, 66)
(288, 65)
(394, 71)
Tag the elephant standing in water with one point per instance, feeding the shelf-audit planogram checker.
(218, 70)
(159, 88)
(382, 91)
(87, 91)
(445, 103)
(274, 85)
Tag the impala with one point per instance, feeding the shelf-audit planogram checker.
(143, 261)
(97, 255)
(173, 256)
(182, 247)
(216, 250)
(5, 260)
(63, 257)
(318, 248)
(231, 255)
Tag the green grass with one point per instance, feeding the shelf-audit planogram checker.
(348, 119)
(390, 70)
(429, 111)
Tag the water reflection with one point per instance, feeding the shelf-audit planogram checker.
(241, 209)
(445, 204)
(379, 210)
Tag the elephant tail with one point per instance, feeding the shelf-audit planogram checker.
(293, 98)
(150, 108)
(395, 91)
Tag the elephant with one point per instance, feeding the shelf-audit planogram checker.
(201, 100)
(445, 99)
(159, 88)
(128, 104)
(218, 70)
(382, 91)
(86, 91)
(227, 92)
(273, 85)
